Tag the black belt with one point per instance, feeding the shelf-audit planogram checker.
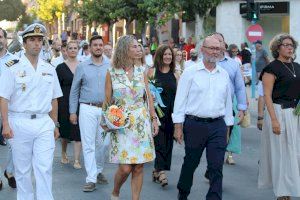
(200, 119)
(286, 105)
(99, 105)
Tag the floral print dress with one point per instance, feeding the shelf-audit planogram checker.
(134, 144)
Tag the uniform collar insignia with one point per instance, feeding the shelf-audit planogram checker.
(11, 62)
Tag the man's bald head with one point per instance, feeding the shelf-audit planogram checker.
(210, 39)
(211, 48)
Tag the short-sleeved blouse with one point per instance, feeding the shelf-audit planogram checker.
(287, 86)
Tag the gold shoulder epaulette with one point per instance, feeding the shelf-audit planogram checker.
(11, 62)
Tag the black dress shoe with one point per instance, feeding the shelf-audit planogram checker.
(1, 185)
(11, 181)
(3, 143)
(182, 196)
(206, 175)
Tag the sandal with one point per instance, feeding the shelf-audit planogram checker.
(162, 178)
(64, 158)
(155, 176)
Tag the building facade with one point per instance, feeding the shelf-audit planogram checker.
(274, 19)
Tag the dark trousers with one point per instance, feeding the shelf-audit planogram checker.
(197, 137)
(164, 146)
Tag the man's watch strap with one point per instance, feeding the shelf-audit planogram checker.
(57, 124)
(260, 118)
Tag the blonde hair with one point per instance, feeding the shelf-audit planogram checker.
(143, 61)
(72, 42)
(120, 57)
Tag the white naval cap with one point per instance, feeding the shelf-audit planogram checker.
(35, 29)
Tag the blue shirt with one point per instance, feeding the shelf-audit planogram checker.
(237, 82)
(88, 84)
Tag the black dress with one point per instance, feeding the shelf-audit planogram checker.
(67, 130)
(164, 140)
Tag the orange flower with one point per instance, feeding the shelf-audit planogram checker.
(133, 160)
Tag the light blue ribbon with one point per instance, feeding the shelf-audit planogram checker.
(156, 92)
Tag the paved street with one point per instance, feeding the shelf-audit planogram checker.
(240, 181)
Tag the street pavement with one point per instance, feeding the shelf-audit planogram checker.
(239, 183)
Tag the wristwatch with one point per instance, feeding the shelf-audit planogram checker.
(57, 125)
(260, 118)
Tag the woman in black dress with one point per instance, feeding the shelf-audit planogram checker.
(165, 77)
(68, 131)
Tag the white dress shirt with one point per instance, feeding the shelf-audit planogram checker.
(203, 94)
(58, 60)
(29, 90)
(149, 60)
(190, 63)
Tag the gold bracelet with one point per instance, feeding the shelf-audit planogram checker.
(153, 118)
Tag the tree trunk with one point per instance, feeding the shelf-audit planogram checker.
(143, 34)
(199, 31)
(127, 26)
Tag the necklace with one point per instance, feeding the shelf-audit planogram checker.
(127, 69)
(292, 72)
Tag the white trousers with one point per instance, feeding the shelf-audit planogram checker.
(9, 163)
(33, 146)
(93, 146)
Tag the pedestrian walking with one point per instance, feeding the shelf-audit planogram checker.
(68, 131)
(261, 59)
(6, 59)
(238, 91)
(88, 91)
(179, 60)
(29, 90)
(203, 111)
(134, 146)
(165, 77)
(279, 161)
(140, 59)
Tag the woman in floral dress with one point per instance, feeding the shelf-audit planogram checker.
(133, 146)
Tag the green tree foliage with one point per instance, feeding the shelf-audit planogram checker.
(100, 11)
(200, 7)
(11, 10)
(48, 10)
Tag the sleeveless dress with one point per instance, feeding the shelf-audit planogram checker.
(134, 144)
(164, 139)
(67, 130)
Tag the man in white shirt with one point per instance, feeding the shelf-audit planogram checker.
(148, 56)
(6, 59)
(194, 59)
(203, 111)
(29, 90)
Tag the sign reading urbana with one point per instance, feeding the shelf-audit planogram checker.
(269, 7)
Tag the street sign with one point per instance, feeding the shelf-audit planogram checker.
(268, 8)
(255, 32)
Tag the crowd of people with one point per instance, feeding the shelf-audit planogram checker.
(63, 93)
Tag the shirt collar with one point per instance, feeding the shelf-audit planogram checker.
(104, 60)
(200, 66)
(224, 59)
(6, 54)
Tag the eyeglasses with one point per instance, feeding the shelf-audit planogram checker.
(288, 45)
(213, 48)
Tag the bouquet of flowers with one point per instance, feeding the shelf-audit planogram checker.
(116, 117)
(156, 93)
(297, 109)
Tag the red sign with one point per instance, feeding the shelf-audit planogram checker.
(254, 33)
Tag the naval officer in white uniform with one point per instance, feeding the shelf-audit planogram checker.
(29, 91)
